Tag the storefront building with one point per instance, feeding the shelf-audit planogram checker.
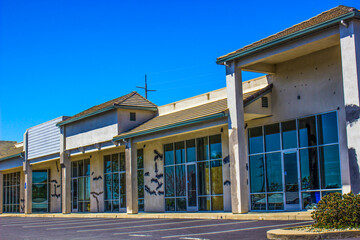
(275, 143)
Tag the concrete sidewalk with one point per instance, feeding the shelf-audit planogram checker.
(302, 216)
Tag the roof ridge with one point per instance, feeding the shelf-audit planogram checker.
(138, 94)
(126, 97)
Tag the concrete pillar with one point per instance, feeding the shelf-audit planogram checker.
(1, 192)
(28, 187)
(237, 151)
(131, 177)
(65, 174)
(349, 126)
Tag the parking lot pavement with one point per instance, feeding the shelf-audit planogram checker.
(104, 228)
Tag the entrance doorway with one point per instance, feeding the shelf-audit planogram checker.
(291, 180)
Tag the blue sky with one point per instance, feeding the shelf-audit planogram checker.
(62, 57)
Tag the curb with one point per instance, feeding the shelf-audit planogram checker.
(291, 234)
(297, 216)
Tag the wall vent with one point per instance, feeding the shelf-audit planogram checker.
(264, 102)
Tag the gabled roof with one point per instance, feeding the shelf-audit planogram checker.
(132, 100)
(11, 152)
(207, 111)
(325, 19)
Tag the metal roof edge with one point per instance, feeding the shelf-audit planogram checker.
(85, 116)
(288, 37)
(180, 124)
(11, 156)
(154, 109)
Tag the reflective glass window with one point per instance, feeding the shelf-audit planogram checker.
(216, 177)
(275, 201)
(258, 202)
(327, 128)
(309, 170)
(256, 141)
(169, 154)
(169, 182)
(204, 178)
(257, 174)
(274, 172)
(289, 136)
(330, 167)
(180, 180)
(307, 132)
(202, 148)
(215, 147)
(190, 151)
(272, 137)
(179, 152)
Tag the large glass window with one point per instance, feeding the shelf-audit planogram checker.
(140, 177)
(80, 185)
(314, 147)
(115, 182)
(11, 192)
(40, 191)
(203, 154)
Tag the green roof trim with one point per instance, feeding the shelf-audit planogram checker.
(105, 110)
(11, 156)
(290, 36)
(171, 126)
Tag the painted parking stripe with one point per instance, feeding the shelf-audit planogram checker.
(104, 224)
(234, 230)
(179, 228)
(51, 224)
(149, 225)
(139, 235)
(49, 221)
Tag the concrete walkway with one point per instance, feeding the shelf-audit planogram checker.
(301, 216)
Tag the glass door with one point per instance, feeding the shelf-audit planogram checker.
(191, 188)
(291, 180)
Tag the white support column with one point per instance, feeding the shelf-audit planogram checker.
(28, 187)
(237, 151)
(1, 192)
(65, 174)
(349, 124)
(131, 177)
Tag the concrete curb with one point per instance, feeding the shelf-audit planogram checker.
(289, 234)
(300, 216)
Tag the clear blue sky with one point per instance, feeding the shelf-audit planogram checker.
(62, 57)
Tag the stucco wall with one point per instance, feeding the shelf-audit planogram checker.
(124, 119)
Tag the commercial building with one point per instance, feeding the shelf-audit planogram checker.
(276, 143)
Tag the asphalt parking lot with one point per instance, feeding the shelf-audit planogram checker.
(125, 228)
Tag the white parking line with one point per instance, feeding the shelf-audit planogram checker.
(51, 224)
(50, 221)
(171, 229)
(103, 224)
(191, 238)
(234, 230)
(149, 225)
(139, 235)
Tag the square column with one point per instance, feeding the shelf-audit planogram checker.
(349, 124)
(131, 177)
(1, 192)
(237, 141)
(28, 187)
(65, 174)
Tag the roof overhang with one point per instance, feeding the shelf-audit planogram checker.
(12, 156)
(290, 37)
(112, 107)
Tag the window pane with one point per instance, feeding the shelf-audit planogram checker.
(122, 183)
(87, 188)
(170, 204)
(272, 137)
(204, 178)
(87, 167)
(327, 127)
(330, 167)
(181, 204)
(328, 192)
(80, 168)
(310, 199)
(74, 193)
(258, 202)
(180, 181)
(169, 154)
(309, 169)
(190, 151)
(307, 132)
(274, 172)
(275, 201)
(115, 185)
(141, 205)
(169, 182)
(122, 161)
(140, 183)
(256, 141)
(202, 148)
(123, 201)
(115, 206)
(140, 158)
(216, 177)
(108, 190)
(289, 139)
(257, 175)
(204, 203)
(74, 169)
(215, 147)
(217, 203)
(179, 152)
(107, 164)
(38, 177)
(115, 162)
